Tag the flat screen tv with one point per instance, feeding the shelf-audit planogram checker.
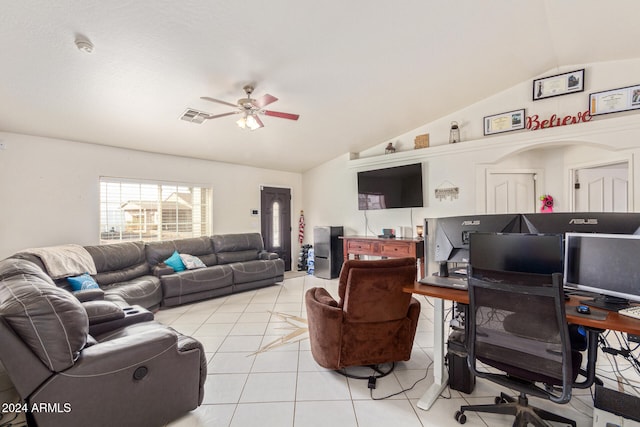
(389, 188)
(604, 264)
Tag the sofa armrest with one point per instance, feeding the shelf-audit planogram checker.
(325, 319)
(135, 369)
(162, 269)
(130, 316)
(85, 295)
(124, 351)
(102, 311)
(264, 255)
(136, 347)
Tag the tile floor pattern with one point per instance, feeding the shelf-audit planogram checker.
(285, 387)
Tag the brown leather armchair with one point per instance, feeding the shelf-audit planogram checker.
(374, 322)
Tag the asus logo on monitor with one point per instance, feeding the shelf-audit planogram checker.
(474, 222)
(582, 221)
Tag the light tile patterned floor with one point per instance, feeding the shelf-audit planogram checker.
(285, 387)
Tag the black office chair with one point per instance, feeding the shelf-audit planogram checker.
(517, 325)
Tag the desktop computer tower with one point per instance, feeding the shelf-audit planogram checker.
(460, 376)
(328, 253)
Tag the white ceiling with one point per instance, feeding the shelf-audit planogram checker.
(358, 72)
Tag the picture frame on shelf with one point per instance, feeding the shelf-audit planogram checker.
(559, 84)
(504, 122)
(614, 100)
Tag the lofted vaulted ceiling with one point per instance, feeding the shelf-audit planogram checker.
(358, 72)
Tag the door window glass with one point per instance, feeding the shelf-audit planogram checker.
(275, 235)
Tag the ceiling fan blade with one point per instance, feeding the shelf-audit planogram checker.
(258, 121)
(264, 100)
(281, 115)
(222, 115)
(206, 98)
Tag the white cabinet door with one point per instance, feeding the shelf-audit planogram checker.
(510, 192)
(602, 189)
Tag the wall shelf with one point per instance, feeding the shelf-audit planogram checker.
(516, 141)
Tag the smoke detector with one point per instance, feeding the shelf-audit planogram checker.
(83, 44)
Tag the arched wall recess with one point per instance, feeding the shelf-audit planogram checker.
(554, 165)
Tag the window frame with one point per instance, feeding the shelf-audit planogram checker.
(189, 205)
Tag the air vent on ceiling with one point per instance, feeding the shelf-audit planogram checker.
(194, 116)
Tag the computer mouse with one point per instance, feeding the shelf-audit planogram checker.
(583, 309)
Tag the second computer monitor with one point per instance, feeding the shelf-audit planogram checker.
(522, 253)
(604, 264)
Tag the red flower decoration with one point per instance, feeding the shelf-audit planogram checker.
(547, 203)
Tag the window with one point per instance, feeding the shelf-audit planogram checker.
(138, 210)
(275, 233)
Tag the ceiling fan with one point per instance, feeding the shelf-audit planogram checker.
(251, 109)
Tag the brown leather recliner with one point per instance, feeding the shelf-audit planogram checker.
(144, 374)
(374, 322)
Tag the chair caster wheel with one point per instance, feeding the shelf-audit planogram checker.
(460, 417)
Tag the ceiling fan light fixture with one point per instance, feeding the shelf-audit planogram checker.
(252, 123)
(248, 121)
(250, 110)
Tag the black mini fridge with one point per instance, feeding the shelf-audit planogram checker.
(327, 251)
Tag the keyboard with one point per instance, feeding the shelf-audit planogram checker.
(446, 282)
(631, 312)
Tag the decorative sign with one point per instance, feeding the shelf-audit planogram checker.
(504, 122)
(443, 193)
(421, 141)
(560, 84)
(535, 123)
(614, 101)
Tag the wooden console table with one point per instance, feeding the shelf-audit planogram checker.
(386, 248)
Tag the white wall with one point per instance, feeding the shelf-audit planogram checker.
(555, 151)
(49, 192)
(49, 187)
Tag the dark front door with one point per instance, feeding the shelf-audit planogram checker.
(275, 204)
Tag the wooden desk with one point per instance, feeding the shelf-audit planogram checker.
(388, 248)
(613, 321)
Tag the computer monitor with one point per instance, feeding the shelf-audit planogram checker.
(582, 222)
(452, 233)
(606, 265)
(522, 253)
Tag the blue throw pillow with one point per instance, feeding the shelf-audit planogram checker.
(175, 262)
(84, 281)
